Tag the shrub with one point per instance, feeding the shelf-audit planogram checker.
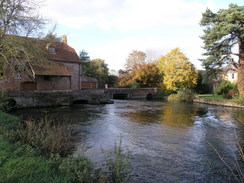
(160, 95)
(117, 165)
(8, 121)
(231, 93)
(6, 104)
(185, 95)
(240, 99)
(77, 169)
(224, 87)
(47, 135)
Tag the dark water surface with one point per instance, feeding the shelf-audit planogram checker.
(167, 142)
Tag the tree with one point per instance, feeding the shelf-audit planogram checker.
(178, 72)
(135, 59)
(223, 31)
(146, 75)
(204, 83)
(112, 80)
(97, 68)
(18, 21)
(52, 37)
(85, 58)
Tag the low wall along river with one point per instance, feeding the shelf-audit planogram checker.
(23, 99)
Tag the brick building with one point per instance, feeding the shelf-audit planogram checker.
(88, 82)
(60, 72)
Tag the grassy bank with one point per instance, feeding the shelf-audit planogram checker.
(211, 97)
(239, 100)
(22, 161)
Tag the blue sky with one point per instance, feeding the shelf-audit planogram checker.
(111, 29)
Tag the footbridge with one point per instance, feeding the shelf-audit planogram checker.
(23, 99)
(130, 93)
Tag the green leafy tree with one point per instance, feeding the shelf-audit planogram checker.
(224, 87)
(97, 68)
(146, 75)
(52, 37)
(178, 72)
(135, 59)
(85, 58)
(204, 84)
(112, 80)
(224, 31)
(18, 20)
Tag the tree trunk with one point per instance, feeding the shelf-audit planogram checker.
(240, 72)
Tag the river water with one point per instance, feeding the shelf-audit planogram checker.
(166, 142)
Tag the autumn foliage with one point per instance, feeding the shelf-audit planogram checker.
(178, 72)
(172, 72)
(146, 75)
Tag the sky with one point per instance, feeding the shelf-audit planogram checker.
(111, 29)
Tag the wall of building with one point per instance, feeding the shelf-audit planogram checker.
(231, 75)
(49, 83)
(12, 80)
(74, 68)
(89, 85)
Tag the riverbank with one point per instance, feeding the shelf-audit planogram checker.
(21, 162)
(217, 100)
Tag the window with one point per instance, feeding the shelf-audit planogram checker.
(18, 77)
(233, 76)
(52, 50)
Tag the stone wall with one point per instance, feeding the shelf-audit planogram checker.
(132, 93)
(218, 103)
(25, 99)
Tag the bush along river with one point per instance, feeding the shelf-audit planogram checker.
(166, 142)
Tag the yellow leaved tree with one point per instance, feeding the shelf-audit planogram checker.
(179, 73)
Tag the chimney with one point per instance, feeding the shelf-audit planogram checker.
(64, 39)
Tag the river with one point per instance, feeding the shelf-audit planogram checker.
(167, 142)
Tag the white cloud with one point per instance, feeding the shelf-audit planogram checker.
(123, 15)
(141, 24)
(119, 49)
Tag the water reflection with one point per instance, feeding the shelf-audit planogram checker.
(178, 115)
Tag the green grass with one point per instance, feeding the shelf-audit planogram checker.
(19, 163)
(8, 121)
(238, 99)
(22, 162)
(211, 97)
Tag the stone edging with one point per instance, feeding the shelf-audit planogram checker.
(220, 103)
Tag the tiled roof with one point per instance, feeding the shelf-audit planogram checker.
(50, 70)
(229, 67)
(63, 52)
